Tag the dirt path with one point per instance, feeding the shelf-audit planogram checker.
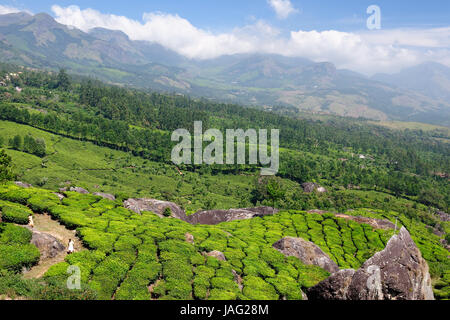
(43, 223)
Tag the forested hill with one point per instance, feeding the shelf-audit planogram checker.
(59, 132)
(412, 163)
(251, 79)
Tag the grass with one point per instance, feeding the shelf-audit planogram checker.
(99, 169)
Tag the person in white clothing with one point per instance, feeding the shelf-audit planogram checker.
(70, 249)
(30, 221)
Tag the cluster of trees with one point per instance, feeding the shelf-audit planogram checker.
(5, 167)
(29, 145)
(404, 163)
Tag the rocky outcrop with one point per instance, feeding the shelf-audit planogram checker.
(155, 206)
(105, 195)
(59, 195)
(443, 216)
(23, 184)
(309, 187)
(48, 245)
(216, 254)
(307, 252)
(374, 223)
(397, 273)
(79, 190)
(213, 217)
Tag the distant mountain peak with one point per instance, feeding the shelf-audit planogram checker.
(108, 34)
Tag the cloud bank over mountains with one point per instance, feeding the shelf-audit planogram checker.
(8, 9)
(368, 52)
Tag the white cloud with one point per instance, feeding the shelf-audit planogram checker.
(8, 9)
(283, 8)
(366, 52)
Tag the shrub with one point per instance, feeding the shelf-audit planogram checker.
(167, 212)
(135, 286)
(177, 270)
(97, 240)
(15, 257)
(257, 289)
(15, 214)
(11, 234)
(107, 275)
(219, 294)
(179, 289)
(224, 284)
(286, 287)
(200, 291)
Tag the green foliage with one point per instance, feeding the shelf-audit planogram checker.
(16, 287)
(14, 213)
(5, 167)
(167, 212)
(257, 289)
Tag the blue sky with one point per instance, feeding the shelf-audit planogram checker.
(412, 32)
(216, 15)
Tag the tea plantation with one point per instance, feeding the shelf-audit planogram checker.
(144, 257)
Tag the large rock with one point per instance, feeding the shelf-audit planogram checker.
(217, 254)
(307, 252)
(105, 195)
(397, 273)
(155, 206)
(212, 217)
(79, 190)
(47, 244)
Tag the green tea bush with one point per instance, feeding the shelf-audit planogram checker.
(256, 288)
(14, 213)
(107, 275)
(15, 256)
(286, 287)
(135, 286)
(219, 294)
(11, 234)
(97, 240)
(200, 291)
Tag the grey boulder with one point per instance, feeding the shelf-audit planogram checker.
(397, 273)
(307, 252)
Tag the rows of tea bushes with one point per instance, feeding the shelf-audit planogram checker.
(14, 212)
(16, 252)
(132, 256)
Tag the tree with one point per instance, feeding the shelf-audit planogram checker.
(5, 167)
(16, 142)
(1, 142)
(275, 191)
(63, 80)
(39, 147)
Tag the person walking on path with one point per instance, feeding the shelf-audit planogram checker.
(70, 249)
(30, 221)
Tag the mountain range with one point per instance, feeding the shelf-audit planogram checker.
(271, 81)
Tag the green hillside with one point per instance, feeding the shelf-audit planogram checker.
(62, 131)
